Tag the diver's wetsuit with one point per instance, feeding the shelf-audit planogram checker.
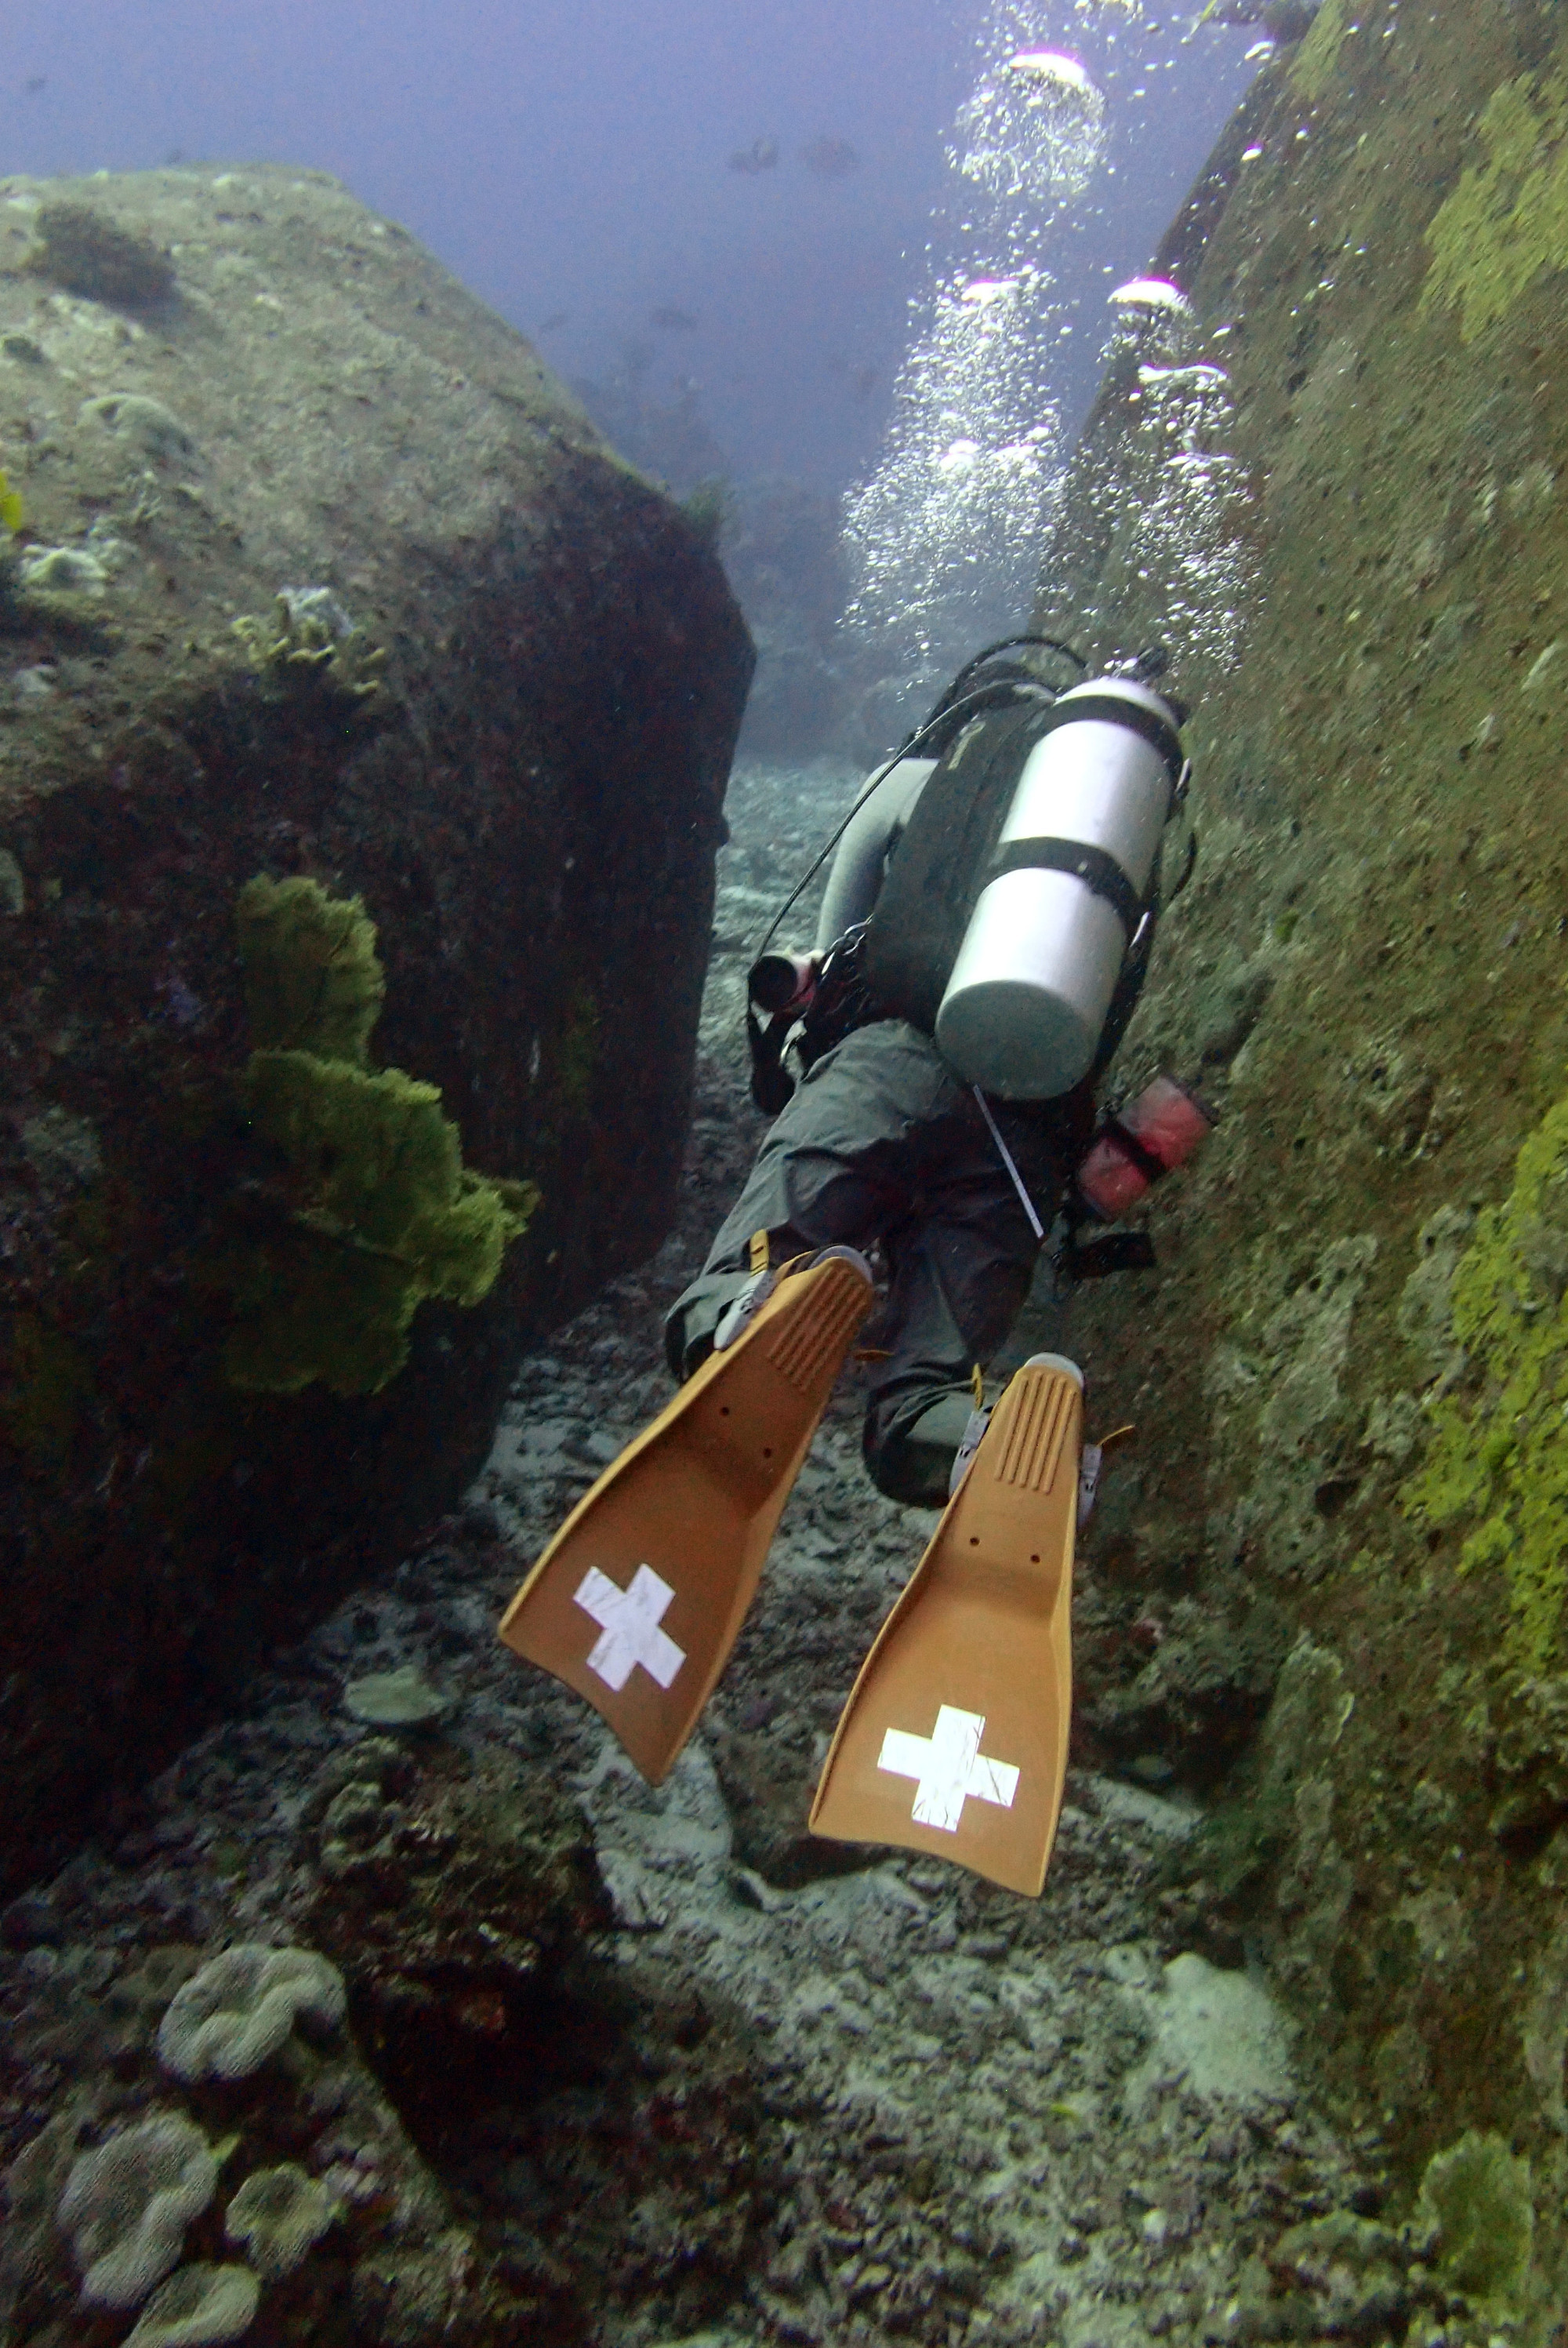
(882, 1142)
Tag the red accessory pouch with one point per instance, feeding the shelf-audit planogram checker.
(1159, 1131)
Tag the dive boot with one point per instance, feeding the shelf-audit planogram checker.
(954, 1740)
(639, 1599)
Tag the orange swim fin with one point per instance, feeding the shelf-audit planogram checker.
(954, 1740)
(638, 1601)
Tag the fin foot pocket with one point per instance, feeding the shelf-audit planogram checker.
(1033, 1449)
(953, 1739)
(638, 1601)
(819, 1334)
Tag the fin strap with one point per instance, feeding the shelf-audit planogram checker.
(963, 1459)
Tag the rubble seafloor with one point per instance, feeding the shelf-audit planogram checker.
(635, 2066)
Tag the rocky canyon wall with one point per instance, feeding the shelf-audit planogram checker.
(1330, 1591)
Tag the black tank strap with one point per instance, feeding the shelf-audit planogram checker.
(1093, 866)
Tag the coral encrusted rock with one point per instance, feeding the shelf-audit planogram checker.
(127, 2202)
(276, 2216)
(198, 2308)
(235, 2014)
(316, 592)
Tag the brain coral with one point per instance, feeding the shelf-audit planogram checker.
(127, 2202)
(241, 2007)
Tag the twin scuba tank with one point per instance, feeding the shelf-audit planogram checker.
(1015, 920)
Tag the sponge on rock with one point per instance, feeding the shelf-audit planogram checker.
(127, 2202)
(277, 2215)
(236, 2013)
(198, 2308)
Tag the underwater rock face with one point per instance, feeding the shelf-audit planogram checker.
(1349, 1375)
(317, 574)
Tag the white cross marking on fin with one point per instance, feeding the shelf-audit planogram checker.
(949, 1769)
(628, 1627)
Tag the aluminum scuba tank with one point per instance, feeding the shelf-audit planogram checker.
(1025, 1004)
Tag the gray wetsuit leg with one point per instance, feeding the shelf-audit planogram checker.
(881, 1142)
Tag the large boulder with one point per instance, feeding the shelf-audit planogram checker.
(1333, 480)
(364, 725)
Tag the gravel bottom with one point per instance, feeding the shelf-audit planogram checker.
(960, 2115)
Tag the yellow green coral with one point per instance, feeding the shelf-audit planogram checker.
(381, 1211)
(1507, 221)
(1502, 1460)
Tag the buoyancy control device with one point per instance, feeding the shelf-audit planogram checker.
(1015, 921)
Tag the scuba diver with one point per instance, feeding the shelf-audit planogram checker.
(931, 1067)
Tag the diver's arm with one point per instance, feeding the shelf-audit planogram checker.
(854, 876)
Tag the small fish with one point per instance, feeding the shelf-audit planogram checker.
(671, 321)
(830, 159)
(555, 322)
(862, 379)
(35, 83)
(762, 155)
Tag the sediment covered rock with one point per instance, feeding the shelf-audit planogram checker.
(1335, 488)
(318, 580)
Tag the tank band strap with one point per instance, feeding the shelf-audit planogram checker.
(1093, 866)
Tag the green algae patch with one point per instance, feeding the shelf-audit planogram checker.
(313, 979)
(1478, 2196)
(376, 1210)
(1502, 1460)
(1312, 68)
(1506, 224)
